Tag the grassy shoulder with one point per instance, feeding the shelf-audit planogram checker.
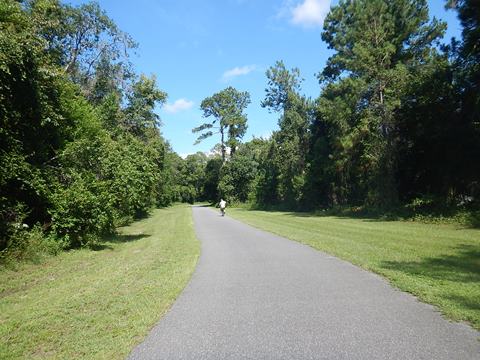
(440, 264)
(98, 304)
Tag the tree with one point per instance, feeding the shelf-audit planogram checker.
(266, 192)
(78, 37)
(377, 44)
(237, 175)
(469, 15)
(32, 128)
(73, 163)
(292, 139)
(140, 117)
(226, 107)
(282, 85)
(468, 59)
(194, 174)
(466, 84)
(212, 178)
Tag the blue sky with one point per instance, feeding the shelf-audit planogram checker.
(199, 47)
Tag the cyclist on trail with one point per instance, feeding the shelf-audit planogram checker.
(223, 205)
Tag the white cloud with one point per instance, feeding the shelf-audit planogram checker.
(238, 71)
(309, 13)
(178, 105)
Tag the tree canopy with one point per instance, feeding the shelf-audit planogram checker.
(226, 108)
(79, 154)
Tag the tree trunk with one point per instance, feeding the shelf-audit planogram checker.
(222, 144)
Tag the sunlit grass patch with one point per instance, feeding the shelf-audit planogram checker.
(440, 264)
(98, 303)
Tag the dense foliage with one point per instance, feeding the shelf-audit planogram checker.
(396, 125)
(80, 146)
(391, 125)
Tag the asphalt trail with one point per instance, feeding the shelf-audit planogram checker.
(255, 295)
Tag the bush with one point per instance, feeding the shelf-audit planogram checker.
(81, 211)
(29, 245)
(474, 219)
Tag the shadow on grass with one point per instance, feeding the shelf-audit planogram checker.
(122, 238)
(462, 267)
(465, 302)
(116, 239)
(100, 247)
(463, 218)
(376, 217)
(373, 214)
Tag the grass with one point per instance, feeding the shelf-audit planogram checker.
(98, 304)
(440, 264)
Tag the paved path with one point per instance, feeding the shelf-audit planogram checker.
(255, 295)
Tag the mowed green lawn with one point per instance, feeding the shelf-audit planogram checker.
(440, 264)
(98, 304)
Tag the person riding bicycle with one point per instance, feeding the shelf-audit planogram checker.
(223, 205)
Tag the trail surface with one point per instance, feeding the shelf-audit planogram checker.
(255, 295)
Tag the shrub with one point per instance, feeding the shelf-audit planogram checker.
(81, 210)
(29, 245)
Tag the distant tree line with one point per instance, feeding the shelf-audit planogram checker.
(397, 122)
